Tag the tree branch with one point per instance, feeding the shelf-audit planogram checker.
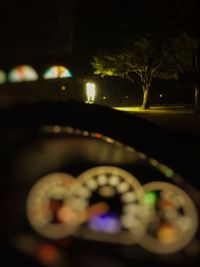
(158, 66)
(129, 78)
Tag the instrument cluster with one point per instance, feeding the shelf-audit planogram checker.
(109, 204)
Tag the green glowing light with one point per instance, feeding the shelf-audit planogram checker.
(150, 198)
(169, 173)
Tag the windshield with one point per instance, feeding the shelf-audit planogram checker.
(139, 57)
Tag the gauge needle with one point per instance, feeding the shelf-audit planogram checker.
(68, 215)
(95, 210)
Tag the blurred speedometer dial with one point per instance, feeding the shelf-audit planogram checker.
(172, 218)
(108, 200)
(47, 208)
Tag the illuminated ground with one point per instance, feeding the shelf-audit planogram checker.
(173, 109)
(178, 118)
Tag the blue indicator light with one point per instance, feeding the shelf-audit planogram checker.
(106, 223)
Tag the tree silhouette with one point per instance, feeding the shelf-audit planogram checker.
(147, 57)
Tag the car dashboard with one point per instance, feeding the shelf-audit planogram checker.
(73, 197)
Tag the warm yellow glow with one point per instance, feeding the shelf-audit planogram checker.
(173, 218)
(167, 234)
(106, 191)
(46, 206)
(90, 92)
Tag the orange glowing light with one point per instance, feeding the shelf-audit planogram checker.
(167, 233)
(97, 135)
(69, 216)
(96, 209)
(66, 215)
(164, 204)
(48, 254)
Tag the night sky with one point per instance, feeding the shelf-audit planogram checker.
(103, 18)
(35, 30)
(41, 31)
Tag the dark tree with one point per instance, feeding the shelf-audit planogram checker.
(148, 57)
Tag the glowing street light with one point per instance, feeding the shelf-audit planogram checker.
(90, 92)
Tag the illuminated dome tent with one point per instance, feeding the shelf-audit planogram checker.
(56, 72)
(23, 73)
(2, 77)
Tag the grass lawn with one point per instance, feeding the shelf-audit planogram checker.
(170, 109)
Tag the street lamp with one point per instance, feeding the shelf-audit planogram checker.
(90, 92)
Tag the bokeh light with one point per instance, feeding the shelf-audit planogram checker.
(56, 72)
(22, 73)
(2, 77)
